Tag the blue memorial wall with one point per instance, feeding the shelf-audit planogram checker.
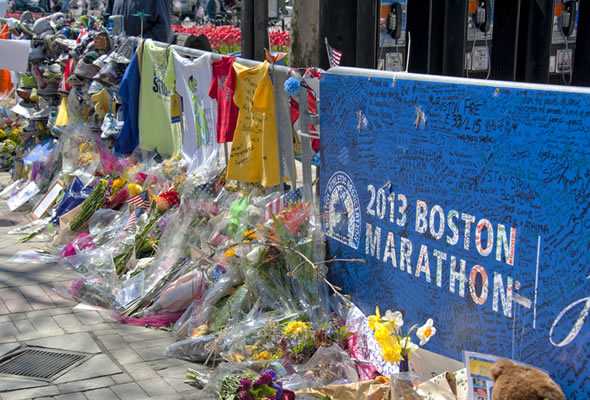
(470, 203)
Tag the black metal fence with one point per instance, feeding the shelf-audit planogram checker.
(541, 41)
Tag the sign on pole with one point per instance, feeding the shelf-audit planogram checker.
(470, 202)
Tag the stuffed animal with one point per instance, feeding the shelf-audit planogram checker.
(515, 382)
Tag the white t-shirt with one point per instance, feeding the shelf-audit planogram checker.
(193, 79)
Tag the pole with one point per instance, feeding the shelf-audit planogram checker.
(505, 39)
(247, 27)
(260, 24)
(582, 57)
(534, 46)
(426, 27)
(367, 31)
(455, 24)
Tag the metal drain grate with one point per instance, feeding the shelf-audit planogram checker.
(40, 362)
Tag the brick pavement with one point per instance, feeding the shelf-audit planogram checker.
(127, 362)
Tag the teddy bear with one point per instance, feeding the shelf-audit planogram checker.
(516, 382)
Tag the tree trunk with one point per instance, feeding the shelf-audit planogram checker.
(306, 43)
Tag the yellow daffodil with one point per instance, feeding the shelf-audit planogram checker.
(118, 184)
(374, 319)
(250, 234)
(134, 189)
(263, 356)
(200, 331)
(85, 147)
(296, 328)
(426, 332)
(236, 357)
(391, 348)
(231, 252)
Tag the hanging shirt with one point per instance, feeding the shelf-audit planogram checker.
(255, 151)
(193, 79)
(222, 89)
(157, 131)
(5, 78)
(69, 67)
(128, 139)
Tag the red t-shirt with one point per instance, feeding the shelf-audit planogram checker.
(222, 89)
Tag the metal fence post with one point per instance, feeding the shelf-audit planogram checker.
(505, 39)
(534, 45)
(455, 21)
(367, 23)
(247, 28)
(582, 57)
(426, 34)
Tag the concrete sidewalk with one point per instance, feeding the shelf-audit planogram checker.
(125, 362)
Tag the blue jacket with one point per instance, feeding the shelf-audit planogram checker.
(128, 139)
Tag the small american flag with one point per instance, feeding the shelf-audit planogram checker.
(334, 56)
(276, 205)
(132, 221)
(139, 201)
(137, 204)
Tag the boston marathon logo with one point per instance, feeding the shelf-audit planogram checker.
(342, 211)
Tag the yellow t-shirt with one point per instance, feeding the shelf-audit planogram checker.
(157, 130)
(255, 150)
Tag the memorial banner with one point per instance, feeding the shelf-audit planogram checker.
(470, 202)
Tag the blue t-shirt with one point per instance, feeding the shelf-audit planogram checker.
(128, 139)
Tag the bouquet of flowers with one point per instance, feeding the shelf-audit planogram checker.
(249, 387)
(144, 241)
(11, 142)
(397, 347)
(294, 341)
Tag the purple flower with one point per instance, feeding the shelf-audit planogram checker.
(245, 395)
(279, 388)
(245, 384)
(267, 377)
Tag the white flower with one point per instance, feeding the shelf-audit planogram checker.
(396, 318)
(407, 344)
(254, 255)
(426, 332)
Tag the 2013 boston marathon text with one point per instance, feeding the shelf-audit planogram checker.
(450, 227)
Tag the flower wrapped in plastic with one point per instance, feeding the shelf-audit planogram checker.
(281, 337)
(79, 152)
